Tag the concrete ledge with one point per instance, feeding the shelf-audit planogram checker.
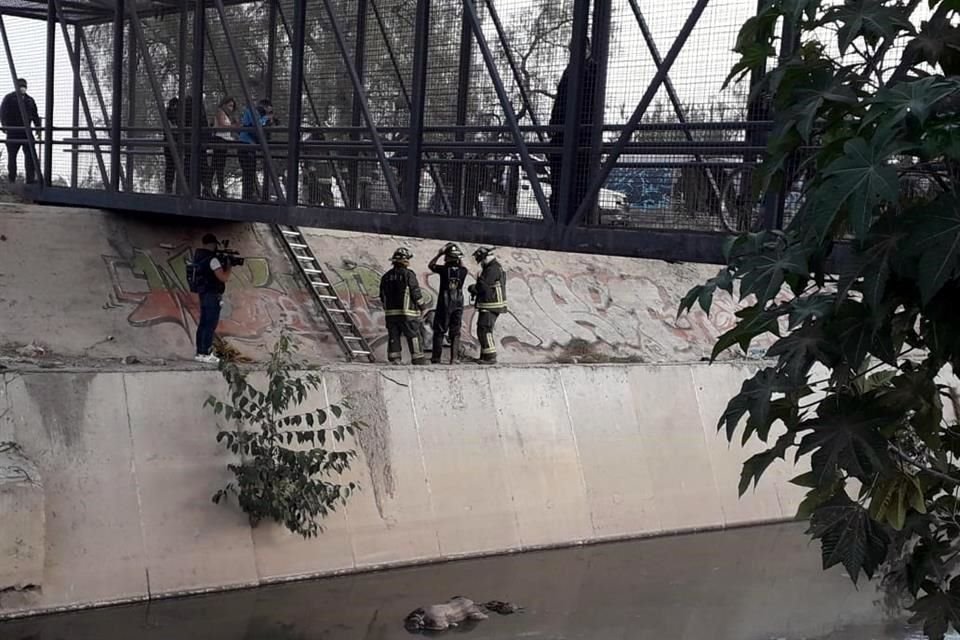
(455, 462)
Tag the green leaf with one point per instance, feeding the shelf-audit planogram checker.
(763, 275)
(809, 308)
(754, 322)
(936, 240)
(755, 398)
(938, 611)
(873, 265)
(852, 328)
(756, 465)
(798, 352)
(860, 180)
(702, 294)
(849, 537)
(752, 56)
(845, 436)
(872, 20)
(913, 98)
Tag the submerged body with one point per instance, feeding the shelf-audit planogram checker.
(439, 617)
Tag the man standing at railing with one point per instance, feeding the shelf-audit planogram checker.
(14, 107)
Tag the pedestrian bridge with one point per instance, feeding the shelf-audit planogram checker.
(596, 126)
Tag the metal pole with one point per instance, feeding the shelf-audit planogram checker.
(117, 90)
(296, 102)
(27, 129)
(182, 70)
(421, 48)
(645, 101)
(83, 95)
(600, 54)
(566, 198)
(672, 92)
(272, 47)
(517, 76)
(50, 90)
(97, 91)
(511, 116)
(75, 110)
(463, 97)
(356, 118)
(365, 109)
(158, 98)
(132, 56)
(268, 167)
(197, 157)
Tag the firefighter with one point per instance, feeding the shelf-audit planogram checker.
(449, 313)
(403, 305)
(490, 294)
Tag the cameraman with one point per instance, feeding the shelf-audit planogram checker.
(215, 274)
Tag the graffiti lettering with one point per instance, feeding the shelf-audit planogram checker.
(157, 290)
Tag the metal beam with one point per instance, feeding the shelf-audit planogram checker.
(296, 101)
(268, 166)
(364, 107)
(75, 108)
(83, 94)
(511, 116)
(271, 47)
(573, 114)
(50, 90)
(158, 99)
(641, 109)
(463, 97)
(421, 48)
(28, 130)
(117, 92)
(356, 115)
(132, 57)
(600, 40)
(198, 159)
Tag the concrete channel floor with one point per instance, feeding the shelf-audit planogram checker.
(759, 583)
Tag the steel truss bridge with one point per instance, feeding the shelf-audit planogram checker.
(427, 118)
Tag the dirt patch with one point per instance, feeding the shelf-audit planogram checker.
(579, 351)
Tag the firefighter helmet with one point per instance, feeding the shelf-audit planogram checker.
(483, 253)
(452, 252)
(402, 255)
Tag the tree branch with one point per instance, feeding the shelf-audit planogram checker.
(922, 468)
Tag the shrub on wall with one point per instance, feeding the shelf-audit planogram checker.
(290, 461)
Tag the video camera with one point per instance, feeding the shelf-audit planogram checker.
(228, 257)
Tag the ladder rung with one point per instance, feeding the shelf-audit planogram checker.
(319, 284)
(309, 270)
(342, 324)
(360, 353)
(326, 297)
(353, 338)
(306, 258)
(297, 245)
(335, 310)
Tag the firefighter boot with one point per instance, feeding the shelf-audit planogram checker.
(437, 351)
(455, 350)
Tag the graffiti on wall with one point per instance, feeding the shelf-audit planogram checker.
(630, 313)
(156, 289)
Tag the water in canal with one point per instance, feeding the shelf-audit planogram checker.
(761, 583)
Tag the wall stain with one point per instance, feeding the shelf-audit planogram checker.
(368, 406)
(62, 402)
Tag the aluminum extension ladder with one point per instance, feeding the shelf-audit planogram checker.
(338, 317)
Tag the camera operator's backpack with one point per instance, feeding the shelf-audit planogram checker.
(196, 278)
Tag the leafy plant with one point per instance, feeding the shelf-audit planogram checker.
(276, 480)
(857, 294)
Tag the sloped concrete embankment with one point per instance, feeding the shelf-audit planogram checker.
(453, 462)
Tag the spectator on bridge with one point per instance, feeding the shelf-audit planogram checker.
(224, 122)
(247, 154)
(319, 174)
(169, 168)
(15, 106)
(558, 117)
